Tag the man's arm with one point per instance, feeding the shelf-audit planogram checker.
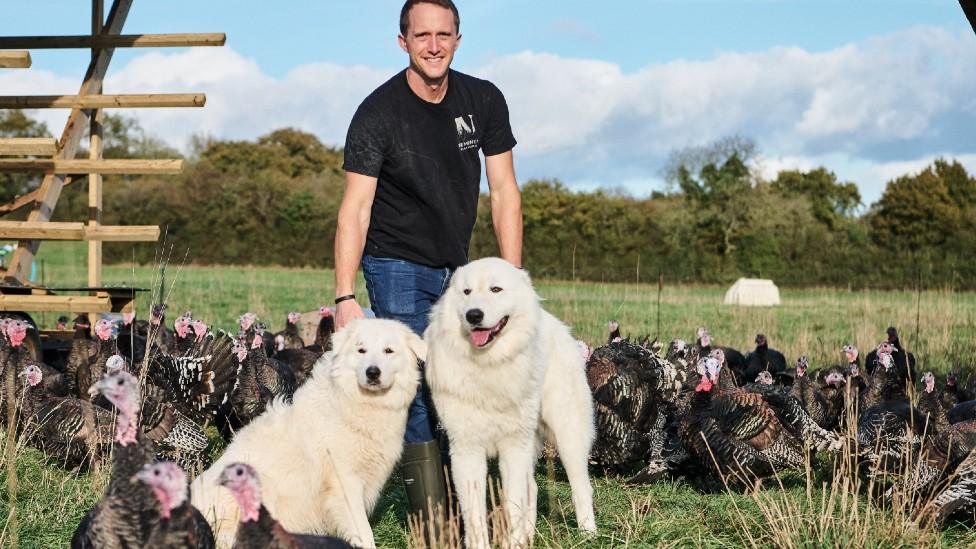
(350, 239)
(506, 206)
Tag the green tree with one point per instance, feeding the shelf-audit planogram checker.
(922, 212)
(830, 200)
(720, 200)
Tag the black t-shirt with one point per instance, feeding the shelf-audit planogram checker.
(425, 156)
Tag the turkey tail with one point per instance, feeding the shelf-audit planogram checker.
(792, 415)
(199, 381)
(959, 496)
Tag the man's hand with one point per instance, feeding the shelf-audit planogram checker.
(346, 312)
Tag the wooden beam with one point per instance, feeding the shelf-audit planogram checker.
(119, 166)
(115, 41)
(120, 101)
(50, 189)
(30, 199)
(15, 59)
(46, 230)
(95, 154)
(77, 231)
(37, 146)
(122, 233)
(55, 303)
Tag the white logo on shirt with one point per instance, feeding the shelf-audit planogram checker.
(466, 133)
(464, 126)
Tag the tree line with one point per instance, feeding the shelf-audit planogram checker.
(274, 200)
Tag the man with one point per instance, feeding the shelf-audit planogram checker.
(412, 182)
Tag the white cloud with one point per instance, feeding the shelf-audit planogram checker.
(865, 110)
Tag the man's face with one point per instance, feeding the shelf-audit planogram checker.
(431, 40)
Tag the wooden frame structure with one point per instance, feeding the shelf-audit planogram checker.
(56, 160)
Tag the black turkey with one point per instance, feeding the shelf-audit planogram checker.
(788, 409)
(132, 340)
(889, 427)
(299, 361)
(838, 397)
(614, 334)
(54, 382)
(128, 511)
(855, 382)
(904, 361)
(763, 358)
(258, 529)
(952, 393)
(944, 447)
(290, 337)
(159, 336)
(324, 331)
(930, 404)
(958, 497)
(277, 377)
(199, 383)
(249, 396)
(734, 360)
(183, 335)
(632, 387)
(180, 525)
(734, 432)
(70, 431)
(175, 435)
(812, 400)
(13, 359)
(106, 346)
(77, 369)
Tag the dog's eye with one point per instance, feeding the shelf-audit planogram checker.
(388, 351)
(495, 289)
(467, 291)
(362, 351)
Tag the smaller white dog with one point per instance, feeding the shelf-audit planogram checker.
(505, 374)
(323, 459)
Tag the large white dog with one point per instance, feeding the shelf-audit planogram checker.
(504, 375)
(323, 459)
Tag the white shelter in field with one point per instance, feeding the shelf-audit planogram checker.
(752, 291)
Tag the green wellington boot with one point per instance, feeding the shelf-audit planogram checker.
(423, 477)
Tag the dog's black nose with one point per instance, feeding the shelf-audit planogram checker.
(474, 316)
(372, 373)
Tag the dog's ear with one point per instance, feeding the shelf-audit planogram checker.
(417, 346)
(340, 338)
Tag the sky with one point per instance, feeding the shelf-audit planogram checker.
(599, 95)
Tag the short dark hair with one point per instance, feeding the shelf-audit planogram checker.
(409, 4)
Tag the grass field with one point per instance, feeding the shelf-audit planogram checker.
(802, 510)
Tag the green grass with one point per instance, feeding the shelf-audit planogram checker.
(815, 322)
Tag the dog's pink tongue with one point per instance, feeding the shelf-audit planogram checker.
(479, 338)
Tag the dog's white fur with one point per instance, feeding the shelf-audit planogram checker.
(323, 459)
(503, 399)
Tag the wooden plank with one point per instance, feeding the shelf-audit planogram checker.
(122, 233)
(37, 146)
(55, 303)
(47, 230)
(95, 153)
(46, 197)
(77, 231)
(114, 166)
(178, 40)
(15, 59)
(118, 101)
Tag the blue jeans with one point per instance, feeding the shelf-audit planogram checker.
(406, 291)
